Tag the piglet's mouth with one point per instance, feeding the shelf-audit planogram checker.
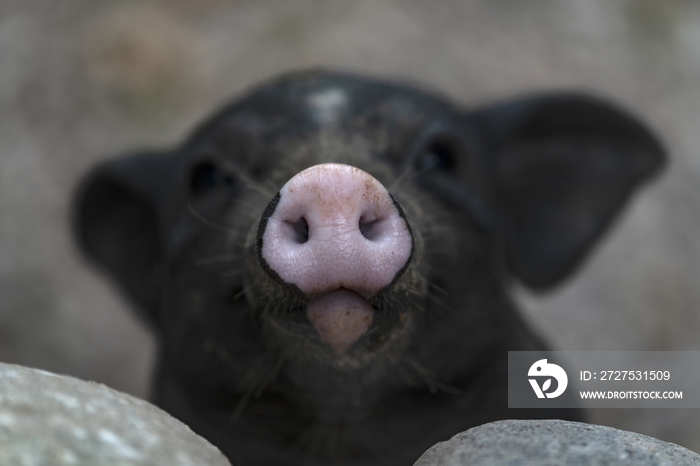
(340, 317)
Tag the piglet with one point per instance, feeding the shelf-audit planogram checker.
(326, 261)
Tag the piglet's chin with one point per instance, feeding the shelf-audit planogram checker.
(340, 317)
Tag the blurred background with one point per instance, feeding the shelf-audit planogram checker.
(82, 80)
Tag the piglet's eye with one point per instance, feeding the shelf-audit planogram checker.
(205, 176)
(436, 156)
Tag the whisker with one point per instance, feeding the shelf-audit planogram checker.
(271, 188)
(217, 259)
(436, 287)
(441, 304)
(232, 273)
(254, 382)
(242, 292)
(249, 182)
(396, 184)
(207, 222)
(427, 376)
(271, 375)
(430, 378)
(249, 383)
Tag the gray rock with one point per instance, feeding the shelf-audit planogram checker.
(48, 419)
(554, 442)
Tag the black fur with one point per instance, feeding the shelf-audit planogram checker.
(521, 190)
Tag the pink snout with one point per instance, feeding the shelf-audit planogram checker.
(333, 229)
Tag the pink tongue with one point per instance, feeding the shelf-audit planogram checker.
(340, 318)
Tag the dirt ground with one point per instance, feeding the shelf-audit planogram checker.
(82, 80)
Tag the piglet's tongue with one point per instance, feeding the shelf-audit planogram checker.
(340, 318)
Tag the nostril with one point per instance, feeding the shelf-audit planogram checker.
(370, 228)
(300, 231)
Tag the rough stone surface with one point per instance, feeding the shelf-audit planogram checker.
(48, 419)
(554, 442)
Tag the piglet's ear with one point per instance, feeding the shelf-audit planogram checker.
(116, 223)
(563, 167)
